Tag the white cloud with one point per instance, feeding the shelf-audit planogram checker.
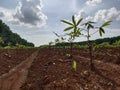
(29, 12)
(6, 14)
(112, 32)
(93, 2)
(107, 14)
(100, 16)
(80, 14)
(83, 14)
(89, 18)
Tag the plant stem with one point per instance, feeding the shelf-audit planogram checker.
(71, 47)
(90, 51)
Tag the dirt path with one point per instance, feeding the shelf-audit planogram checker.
(16, 76)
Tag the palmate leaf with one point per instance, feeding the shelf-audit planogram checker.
(68, 28)
(69, 23)
(73, 20)
(106, 23)
(79, 21)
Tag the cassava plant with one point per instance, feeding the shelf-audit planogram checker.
(78, 28)
(89, 25)
(73, 31)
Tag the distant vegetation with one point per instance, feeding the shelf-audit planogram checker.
(113, 41)
(105, 41)
(110, 41)
(10, 39)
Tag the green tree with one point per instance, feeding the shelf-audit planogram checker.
(9, 37)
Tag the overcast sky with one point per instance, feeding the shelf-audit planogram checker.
(35, 20)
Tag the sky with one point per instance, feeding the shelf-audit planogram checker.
(36, 20)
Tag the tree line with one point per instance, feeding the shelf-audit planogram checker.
(8, 38)
(110, 41)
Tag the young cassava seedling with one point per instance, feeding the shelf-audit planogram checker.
(74, 31)
(89, 25)
(78, 28)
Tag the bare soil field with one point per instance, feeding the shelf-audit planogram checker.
(52, 69)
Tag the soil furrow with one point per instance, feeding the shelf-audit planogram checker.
(14, 79)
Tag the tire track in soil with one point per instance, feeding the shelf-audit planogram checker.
(14, 79)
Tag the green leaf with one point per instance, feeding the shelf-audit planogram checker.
(91, 26)
(88, 27)
(74, 65)
(79, 21)
(73, 20)
(68, 28)
(90, 22)
(106, 23)
(69, 23)
(57, 40)
(85, 24)
(101, 31)
(56, 34)
(75, 28)
(77, 33)
(70, 34)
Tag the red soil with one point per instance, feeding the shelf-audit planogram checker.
(52, 70)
